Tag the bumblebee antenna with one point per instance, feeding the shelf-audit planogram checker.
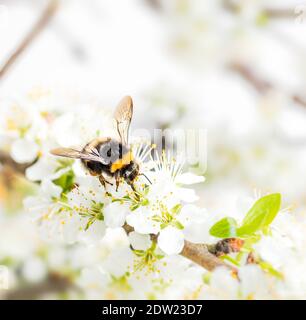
(142, 174)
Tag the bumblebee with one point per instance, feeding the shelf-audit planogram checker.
(107, 157)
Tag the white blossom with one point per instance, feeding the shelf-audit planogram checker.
(24, 150)
(115, 215)
(139, 241)
(171, 240)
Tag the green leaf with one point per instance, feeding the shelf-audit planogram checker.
(65, 181)
(260, 215)
(224, 228)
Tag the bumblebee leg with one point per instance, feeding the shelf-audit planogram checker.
(117, 181)
(103, 181)
(134, 190)
(133, 187)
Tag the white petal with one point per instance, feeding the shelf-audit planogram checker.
(94, 233)
(24, 151)
(142, 223)
(79, 169)
(114, 215)
(35, 206)
(63, 132)
(189, 178)
(252, 281)
(115, 238)
(191, 214)
(41, 169)
(222, 281)
(171, 240)
(187, 195)
(56, 257)
(93, 278)
(34, 270)
(66, 227)
(50, 189)
(118, 261)
(139, 241)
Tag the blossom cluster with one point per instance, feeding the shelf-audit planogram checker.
(126, 243)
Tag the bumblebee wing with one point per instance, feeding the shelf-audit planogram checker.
(75, 154)
(123, 117)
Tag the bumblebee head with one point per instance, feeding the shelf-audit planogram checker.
(130, 172)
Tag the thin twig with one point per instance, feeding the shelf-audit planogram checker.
(279, 13)
(261, 85)
(7, 161)
(273, 13)
(54, 283)
(45, 17)
(155, 4)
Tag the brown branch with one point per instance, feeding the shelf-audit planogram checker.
(231, 6)
(279, 13)
(154, 4)
(234, 7)
(261, 85)
(299, 100)
(201, 254)
(7, 161)
(273, 13)
(45, 17)
(54, 283)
